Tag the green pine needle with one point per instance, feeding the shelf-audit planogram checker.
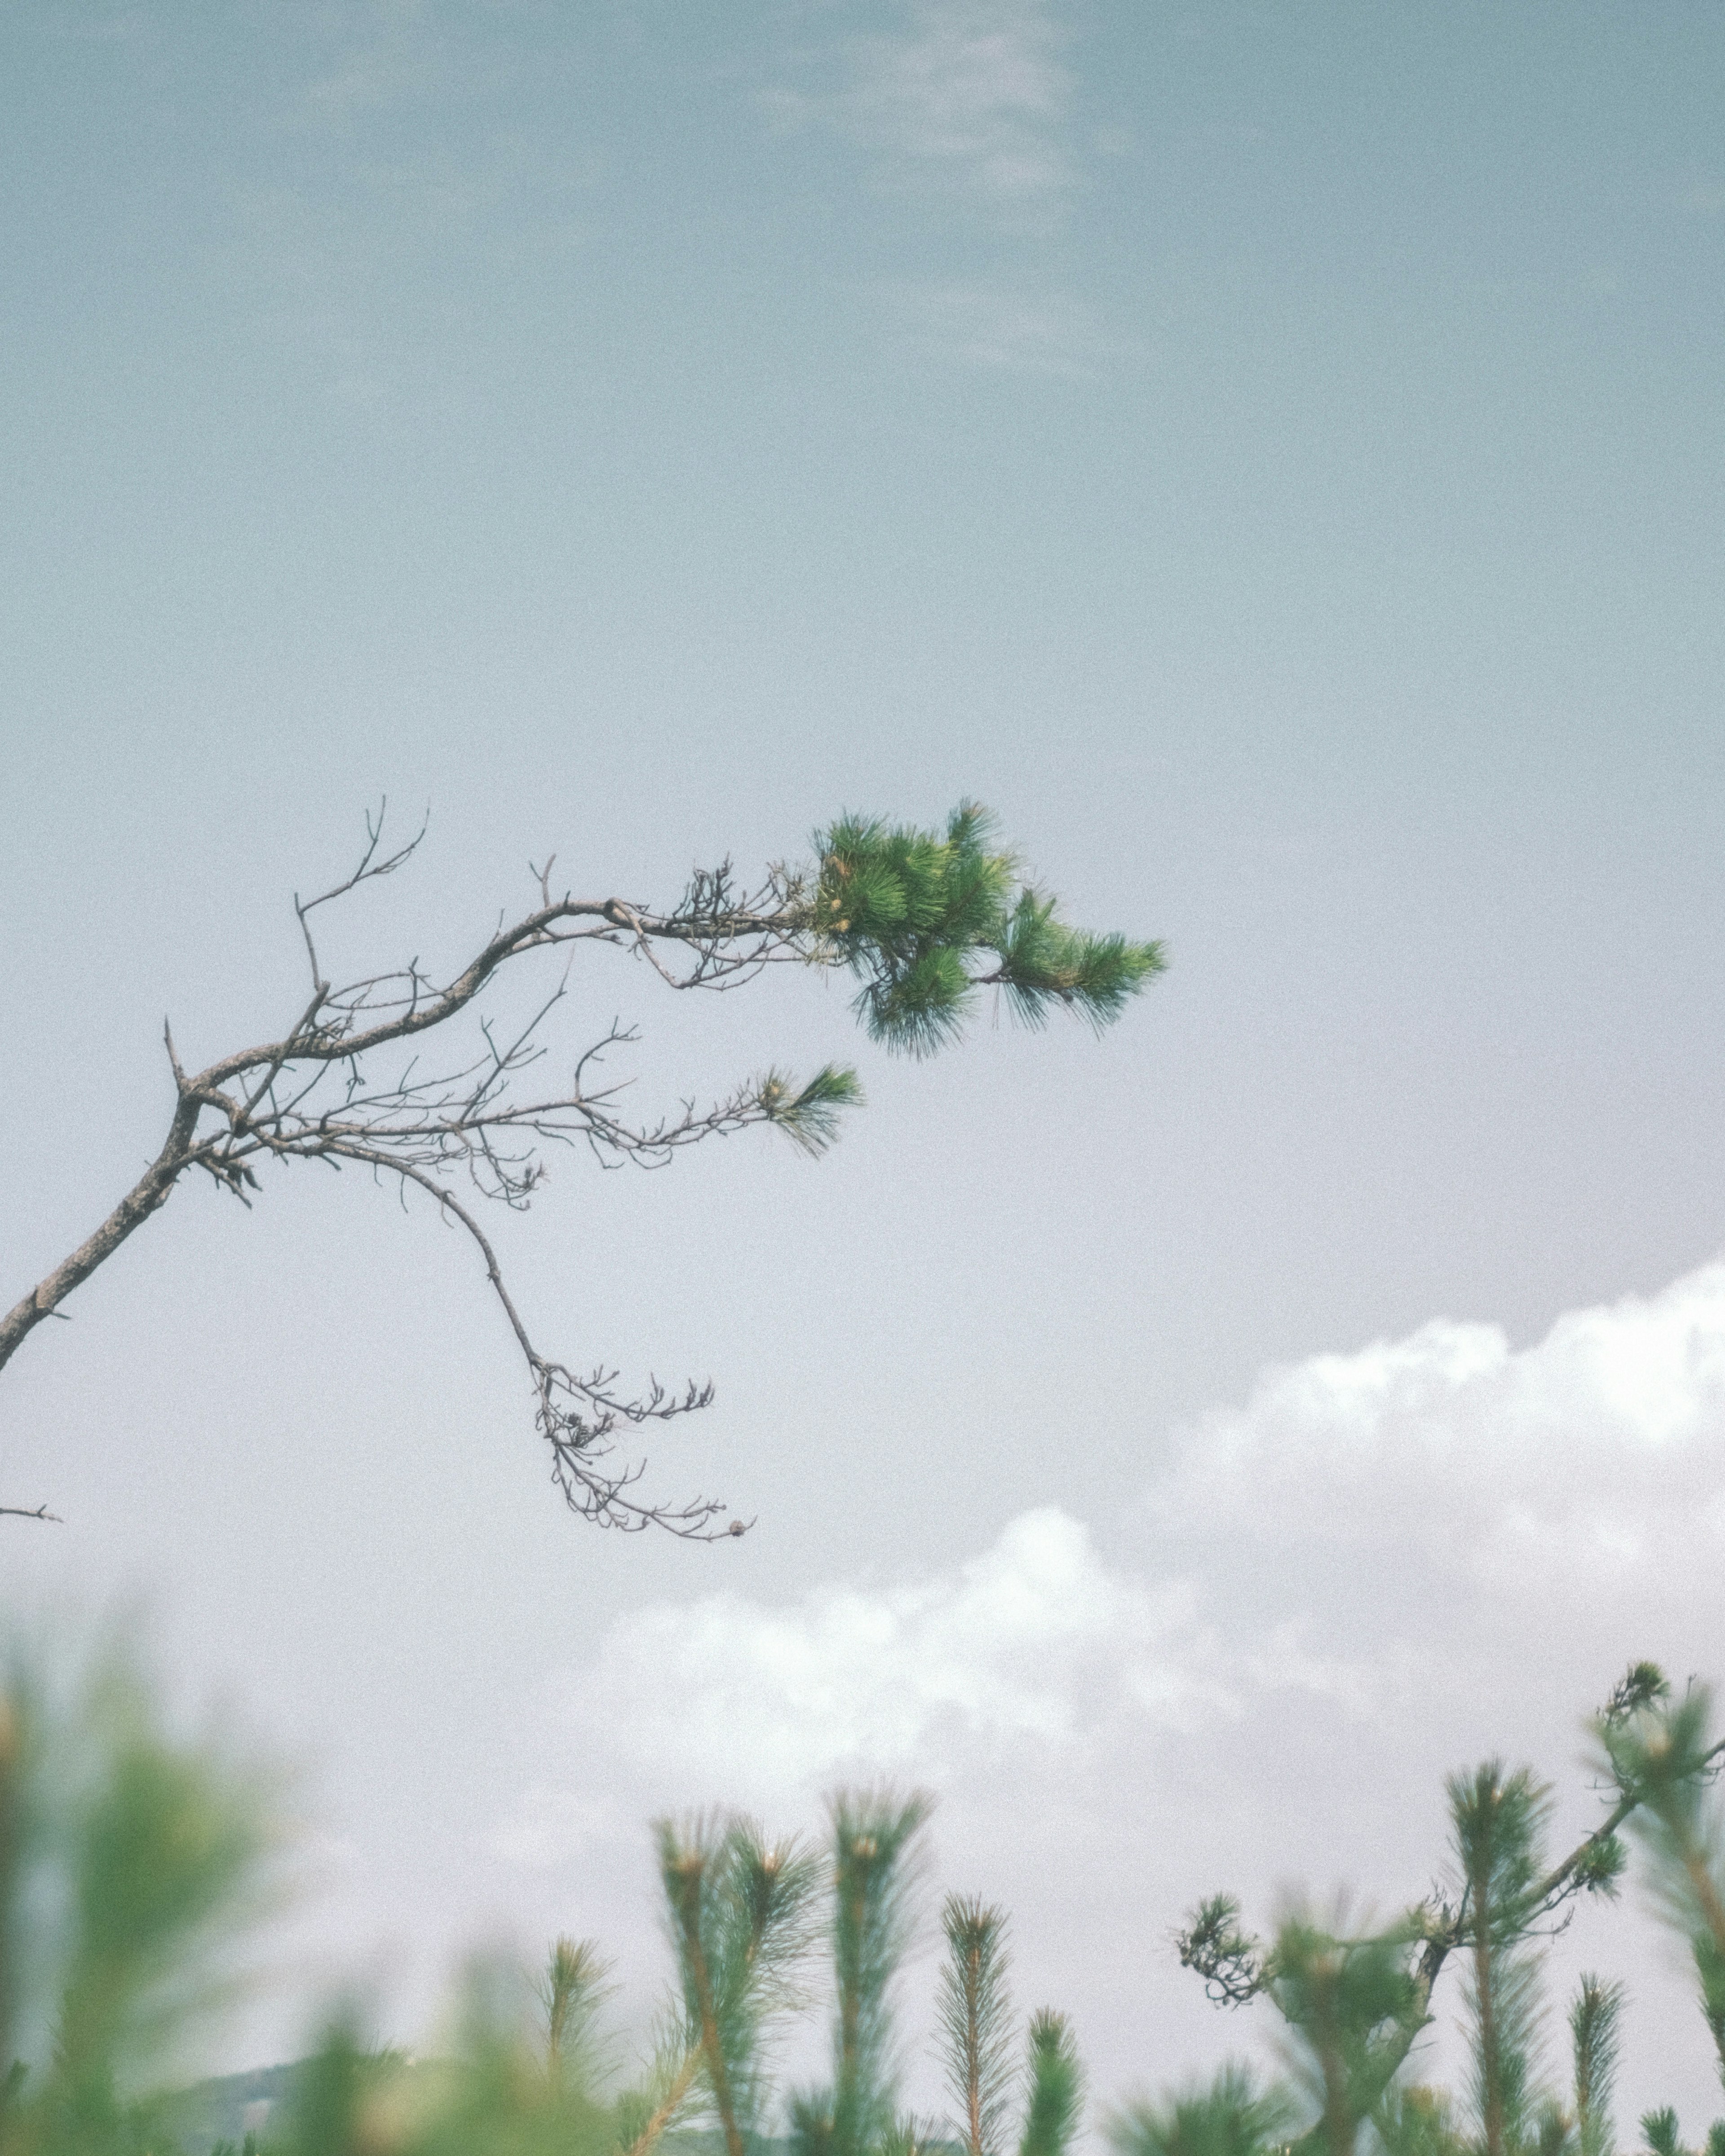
(1231, 2117)
(808, 1115)
(1055, 2099)
(1594, 2019)
(928, 922)
(1498, 1822)
(875, 1866)
(975, 2015)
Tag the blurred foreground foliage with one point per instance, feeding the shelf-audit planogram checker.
(134, 1863)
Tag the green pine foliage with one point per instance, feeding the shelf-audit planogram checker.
(1054, 2077)
(808, 1114)
(740, 1913)
(129, 1866)
(929, 921)
(877, 1860)
(1230, 2116)
(1347, 2003)
(973, 2012)
(1414, 2120)
(1660, 1751)
(1593, 2017)
(571, 1992)
(1354, 2006)
(1498, 1820)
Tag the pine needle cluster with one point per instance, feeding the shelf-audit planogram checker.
(975, 2015)
(1593, 2017)
(928, 920)
(877, 1862)
(1498, 1821)
(740, 1915)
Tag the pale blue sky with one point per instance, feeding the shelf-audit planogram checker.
(1273, 455)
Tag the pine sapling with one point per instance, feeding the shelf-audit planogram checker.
(1497, 1821)
(1665, 1754)
(876, 1850)
(1231, 2117)
(974, 2014)
(1054, 2100)
(1594, 2019)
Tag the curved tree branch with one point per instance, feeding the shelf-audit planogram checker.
(328, 1090)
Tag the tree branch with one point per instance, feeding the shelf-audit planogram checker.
(318, 1092)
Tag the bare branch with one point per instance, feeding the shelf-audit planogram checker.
(311, 1095)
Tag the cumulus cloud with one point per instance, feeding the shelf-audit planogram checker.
(1034, 1644)
(1586, 1466)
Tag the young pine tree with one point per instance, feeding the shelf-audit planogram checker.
(974, 2017)
(974, 2013)
(1593, 2017)
(1054, 2096)
(739, 1913)
(876, 1858)
(1665, 1755)
(1497, 1822)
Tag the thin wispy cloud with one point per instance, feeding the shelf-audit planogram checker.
(974, 104)
(1001, 328)
(973, 91)
(972, 97)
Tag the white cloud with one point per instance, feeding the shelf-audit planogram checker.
(1357, 1529)
(1033, 1644)
(1592, 1459)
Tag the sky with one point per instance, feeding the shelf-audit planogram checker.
(1270, 455)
